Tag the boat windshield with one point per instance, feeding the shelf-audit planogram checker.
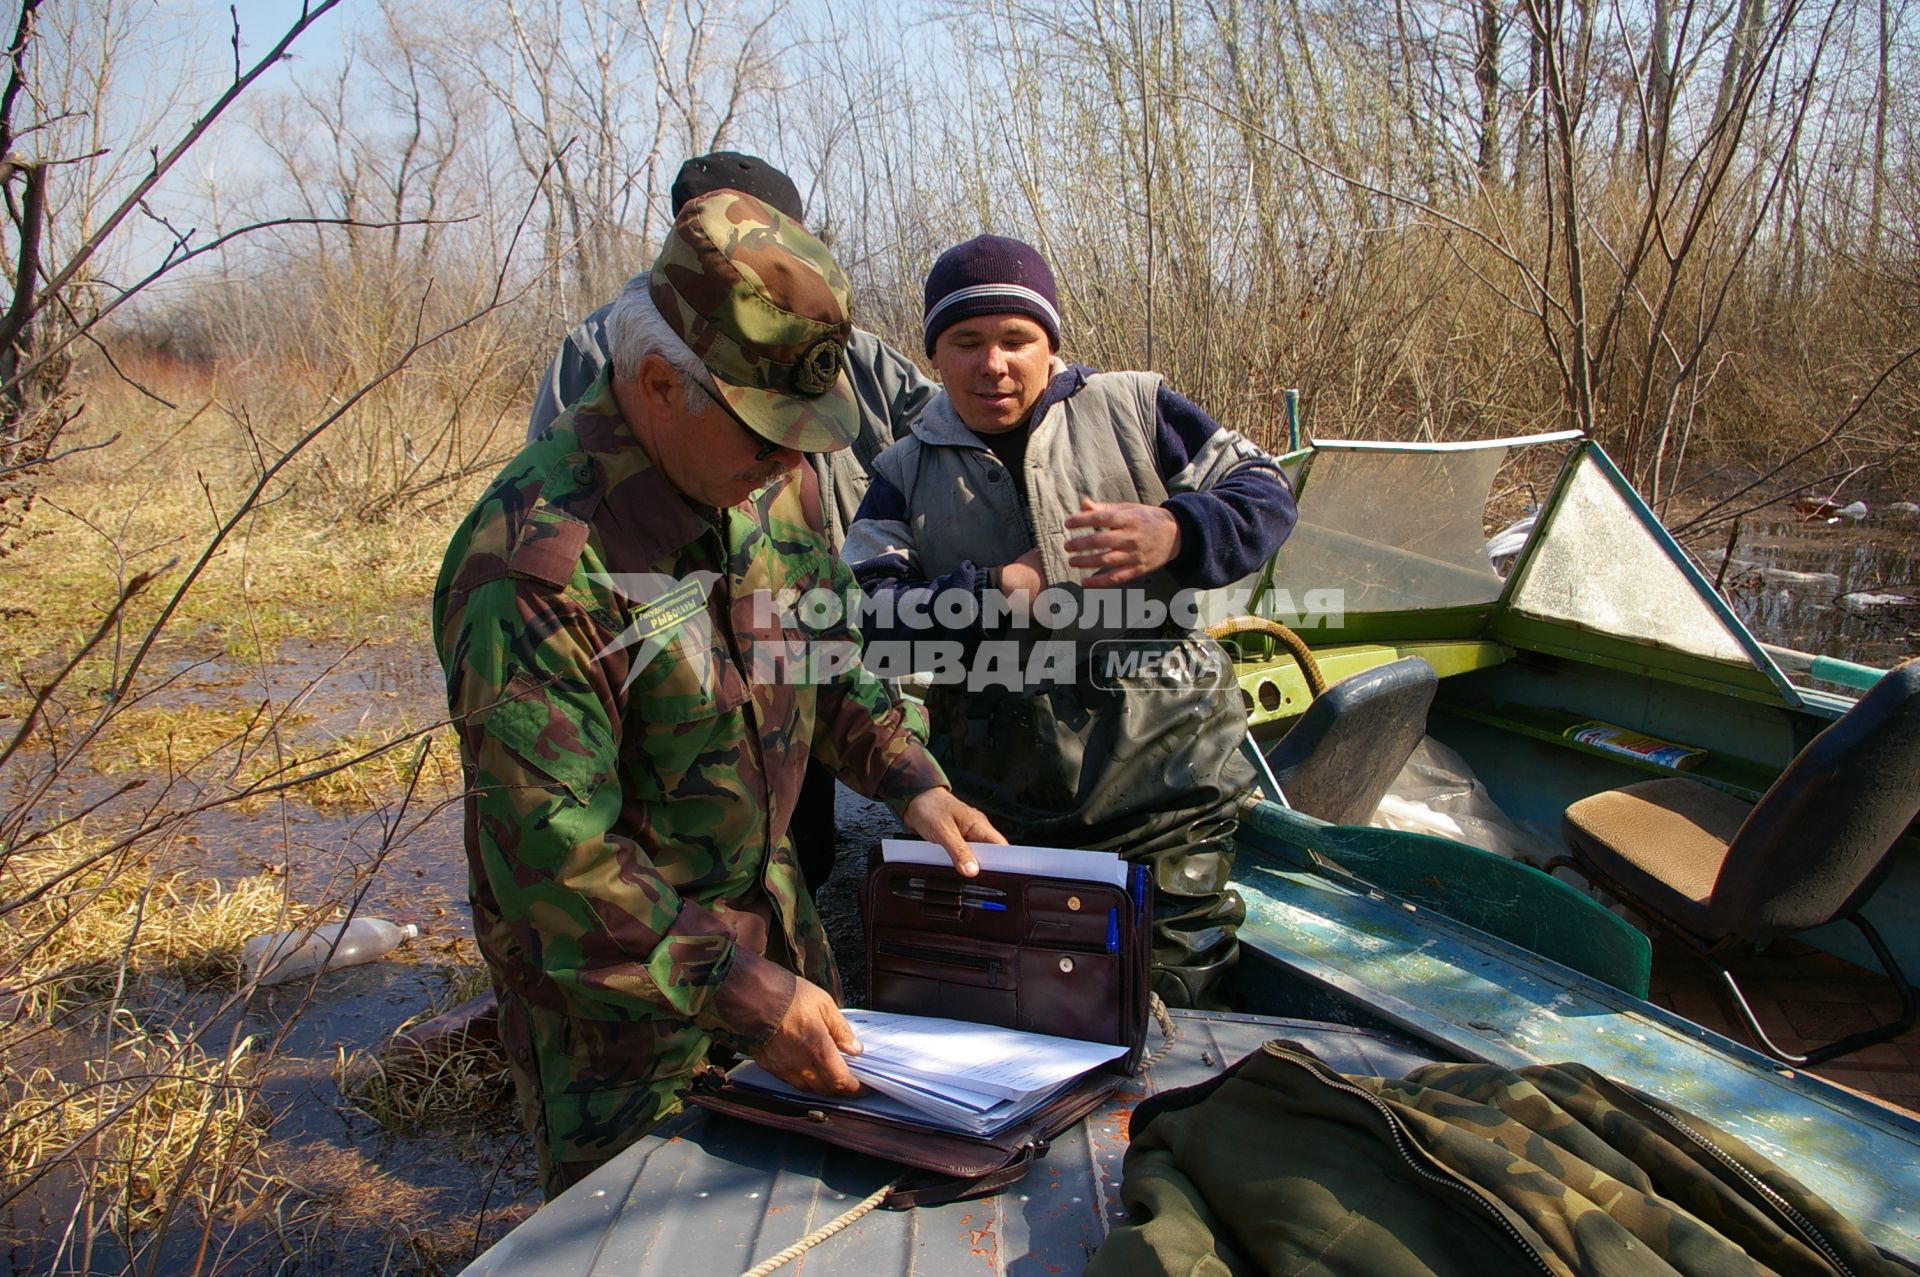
(1600, 567)
(1425, 527)
(1398, 528)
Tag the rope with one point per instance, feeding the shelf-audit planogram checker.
(823, 1232)
(1295, 645)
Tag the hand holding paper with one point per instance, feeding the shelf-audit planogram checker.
(810, 1047)
(939, 817)
(956, 1075)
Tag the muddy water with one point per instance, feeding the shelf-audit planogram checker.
(345, 1196)
(1846, 589)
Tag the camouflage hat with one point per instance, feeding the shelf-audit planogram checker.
(764, 306)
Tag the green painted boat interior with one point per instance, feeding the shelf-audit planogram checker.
(1600, 617)
(1531, 910)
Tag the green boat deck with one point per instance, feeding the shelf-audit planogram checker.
(1421, 973)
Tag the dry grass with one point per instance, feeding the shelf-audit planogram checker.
(410, 1090)
(150, 1125)
(467, 1081)
(178, 740)
(383, 773)
(74, 935)
(260, 753)
(337, 1195)
(160, 491)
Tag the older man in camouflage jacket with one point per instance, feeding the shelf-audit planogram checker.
(887, 387)
(637, 699)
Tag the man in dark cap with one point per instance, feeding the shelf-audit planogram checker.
(633, 727)
(1041, 515)
(888, 388)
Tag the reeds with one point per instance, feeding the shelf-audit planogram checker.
(112, 927)
(150, 1125)
(456, 1079)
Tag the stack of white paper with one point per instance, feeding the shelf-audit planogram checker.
(954, 1074)
(1036, 862)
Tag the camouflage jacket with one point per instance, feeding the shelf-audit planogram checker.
(1457, 1170)
(634, 727)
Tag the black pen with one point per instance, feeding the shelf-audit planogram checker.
(952, 899)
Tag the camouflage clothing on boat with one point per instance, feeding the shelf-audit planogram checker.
(1456, 1170)
(618, 662)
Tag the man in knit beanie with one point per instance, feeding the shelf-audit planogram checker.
(1041, 514)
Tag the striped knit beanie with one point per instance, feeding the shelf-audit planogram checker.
(990, 275)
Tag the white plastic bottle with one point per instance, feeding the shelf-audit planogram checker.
(288, 955)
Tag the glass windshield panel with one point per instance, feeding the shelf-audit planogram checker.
(1597, 566)
(1394, 531)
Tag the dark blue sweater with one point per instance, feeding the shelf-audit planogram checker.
(1226, 532)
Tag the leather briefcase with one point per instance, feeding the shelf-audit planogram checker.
(1061, 957)
(1054, 956)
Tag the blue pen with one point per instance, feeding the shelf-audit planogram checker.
(1113, 930)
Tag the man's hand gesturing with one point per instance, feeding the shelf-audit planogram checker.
(1123, 539)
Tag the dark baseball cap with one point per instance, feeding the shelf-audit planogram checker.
(732, 171)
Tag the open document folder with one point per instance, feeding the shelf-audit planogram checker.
(959, 1076)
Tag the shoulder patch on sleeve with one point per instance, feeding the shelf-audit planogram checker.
(548, 547)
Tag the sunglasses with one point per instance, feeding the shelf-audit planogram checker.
(767, 448)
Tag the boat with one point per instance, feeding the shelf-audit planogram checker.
(1383, 948)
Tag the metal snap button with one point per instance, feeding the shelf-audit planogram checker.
(1066, 964)
(1073, 903)
(583, 473)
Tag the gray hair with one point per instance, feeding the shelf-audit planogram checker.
(636, 329)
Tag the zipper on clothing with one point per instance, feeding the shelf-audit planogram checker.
(1768, 1196)
(1405, 1146)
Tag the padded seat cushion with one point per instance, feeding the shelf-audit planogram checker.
(1663, 841)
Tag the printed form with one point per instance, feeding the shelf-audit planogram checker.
(952, 1073)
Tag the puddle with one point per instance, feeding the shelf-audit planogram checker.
(372, 687)
(341, 1195)
(361, 1192)
(418, 874)
(1846, 590)
(344, 1196)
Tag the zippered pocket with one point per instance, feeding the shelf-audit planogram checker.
(993, 972)
(916, 978)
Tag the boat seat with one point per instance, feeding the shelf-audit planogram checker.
(1724, 875)
(1354, 738)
